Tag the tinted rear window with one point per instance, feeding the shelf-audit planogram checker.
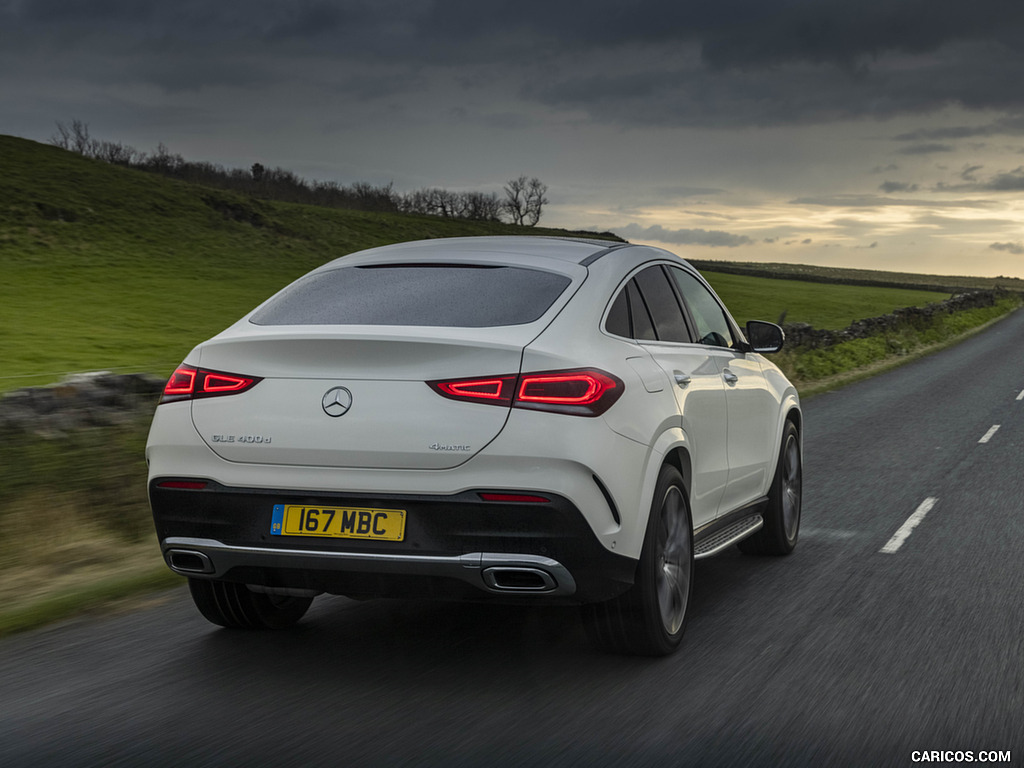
(457, 296)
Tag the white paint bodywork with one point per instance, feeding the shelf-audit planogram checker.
(728, 433)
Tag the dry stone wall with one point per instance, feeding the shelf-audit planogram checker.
(84, 400)
(803, 335)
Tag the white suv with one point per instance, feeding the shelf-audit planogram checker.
(512, 418)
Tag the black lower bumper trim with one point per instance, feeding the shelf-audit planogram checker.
(457, 546)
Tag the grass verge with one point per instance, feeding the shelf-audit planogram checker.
(101, 594)
(820, 370)
(829, 383)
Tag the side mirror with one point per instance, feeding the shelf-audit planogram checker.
(765, 337)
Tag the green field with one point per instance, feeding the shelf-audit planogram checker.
(861, 277)
(110, 268)
(820, 305)
(107, 268)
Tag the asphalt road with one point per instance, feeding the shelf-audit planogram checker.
(842, 654)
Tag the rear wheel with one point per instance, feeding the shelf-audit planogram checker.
(782, 516)
(235, 606)
(649, 619)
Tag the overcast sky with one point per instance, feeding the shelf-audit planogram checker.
(878, 133)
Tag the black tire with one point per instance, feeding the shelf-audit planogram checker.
(235, 606)
(782, 516)
(650, 618)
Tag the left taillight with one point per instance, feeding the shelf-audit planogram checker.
(576, 392)
(189, 383)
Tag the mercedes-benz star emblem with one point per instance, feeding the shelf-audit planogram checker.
(337, 401)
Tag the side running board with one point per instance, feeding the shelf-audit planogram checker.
(715, 541)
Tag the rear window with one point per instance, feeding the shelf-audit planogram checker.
(452, 295)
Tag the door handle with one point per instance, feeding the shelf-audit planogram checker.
(729, 376)
(681, 379)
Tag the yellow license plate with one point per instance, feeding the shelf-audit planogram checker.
(338, 522)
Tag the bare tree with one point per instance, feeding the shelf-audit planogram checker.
(525, 200)
(74, 138)
(535, 200)
(280, 184)
(434, 201)
(514, 203)
(162, 161)
(482, 207)
(116, 153)
(62, 138)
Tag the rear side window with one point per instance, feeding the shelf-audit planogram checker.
(647, 309)
(663, 305)
(640, 316)
(450, 295)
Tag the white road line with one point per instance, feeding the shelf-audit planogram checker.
(1021, 395)
(988, 435)
(901, 535)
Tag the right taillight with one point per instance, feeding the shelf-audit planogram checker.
(577, 392)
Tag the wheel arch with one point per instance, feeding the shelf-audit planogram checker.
(795, 415)
(679, 457)
(671, 448)
(790, 412)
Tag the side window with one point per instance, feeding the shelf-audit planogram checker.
(618, 317)
(643, 327)
(661, 300)
(628, 316)
(712, 326)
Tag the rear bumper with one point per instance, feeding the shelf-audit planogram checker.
(456, 546)
(501, 573)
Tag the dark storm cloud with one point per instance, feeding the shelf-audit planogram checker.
(968, 173)
(1008, 181)
(712, 238)
(763, 61)
(733, 62)
(926, 149)
(743, 34)
(1017, 249)
(897, 186)
(1005, 126)
(875, 201)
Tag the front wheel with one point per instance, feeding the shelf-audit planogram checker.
(782, 516)
(235, 606)
(650, 618)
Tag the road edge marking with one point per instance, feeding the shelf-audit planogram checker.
(911, 523)
(988, 435)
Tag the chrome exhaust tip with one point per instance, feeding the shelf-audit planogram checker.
(187, 561)
(507, 578)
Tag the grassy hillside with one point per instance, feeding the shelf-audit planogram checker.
(107, 267)
(823, 306)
